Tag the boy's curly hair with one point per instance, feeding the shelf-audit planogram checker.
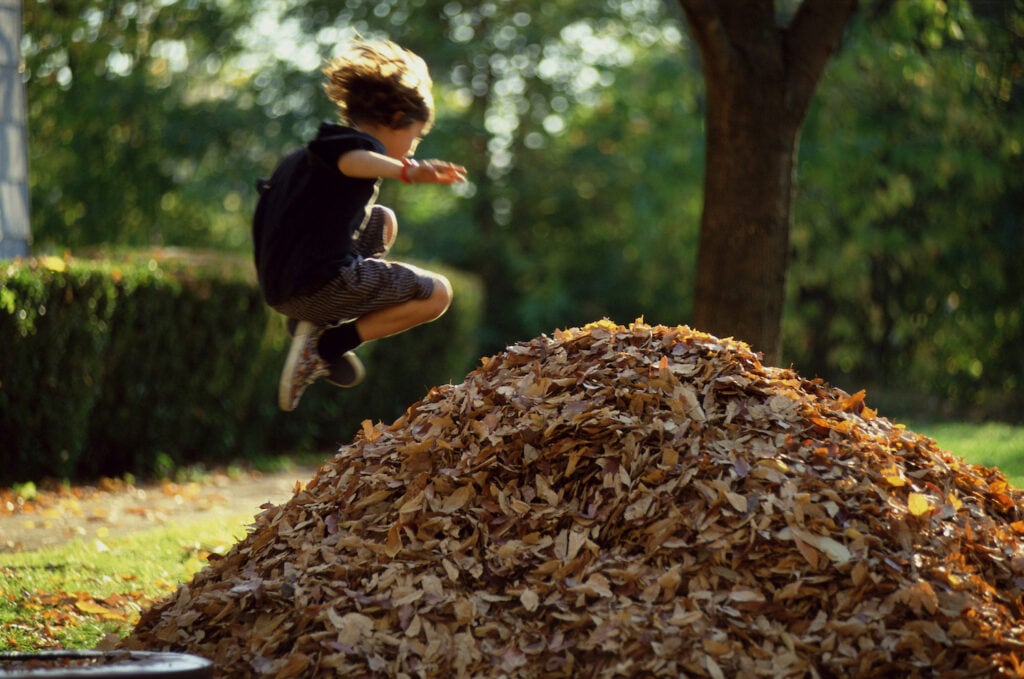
(381, 83)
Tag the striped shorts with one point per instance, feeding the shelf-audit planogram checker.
(367, 284)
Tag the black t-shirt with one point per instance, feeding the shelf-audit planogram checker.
(307, 213)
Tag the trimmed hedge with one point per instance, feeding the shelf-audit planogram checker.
(141, 361)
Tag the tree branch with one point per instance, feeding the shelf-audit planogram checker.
(808, 43)
(706, 25)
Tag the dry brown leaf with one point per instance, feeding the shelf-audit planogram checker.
(394, 542)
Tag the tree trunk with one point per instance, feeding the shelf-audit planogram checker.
(744, 236)
(759, 79)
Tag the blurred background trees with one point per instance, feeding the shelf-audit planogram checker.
(582, 126)
(909, 227)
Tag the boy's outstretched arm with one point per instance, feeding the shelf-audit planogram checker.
(370, 164)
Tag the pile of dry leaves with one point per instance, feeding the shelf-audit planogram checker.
(622, 501)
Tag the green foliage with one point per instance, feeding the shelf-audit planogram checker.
(178, 370)
(144, 363)
(620, 240)
(54, 324)
(128, 119)
(908, 233)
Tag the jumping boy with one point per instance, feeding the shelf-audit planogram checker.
(319, 239)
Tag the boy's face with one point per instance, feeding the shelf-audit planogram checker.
(401, 142)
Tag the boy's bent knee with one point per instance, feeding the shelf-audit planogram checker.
(441, 296)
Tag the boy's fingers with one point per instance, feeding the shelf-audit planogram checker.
(443, 172)
(443, 164)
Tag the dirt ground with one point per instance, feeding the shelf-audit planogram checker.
(113, 508)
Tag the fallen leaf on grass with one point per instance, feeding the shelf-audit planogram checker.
(47, 616)
(92, 608)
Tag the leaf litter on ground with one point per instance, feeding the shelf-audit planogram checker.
(621, 501)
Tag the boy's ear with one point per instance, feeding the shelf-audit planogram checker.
(400, 119)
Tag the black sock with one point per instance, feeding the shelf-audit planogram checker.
(336, 341)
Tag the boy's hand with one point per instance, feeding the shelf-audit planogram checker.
(435, 172)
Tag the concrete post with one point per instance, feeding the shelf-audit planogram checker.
(15, 234)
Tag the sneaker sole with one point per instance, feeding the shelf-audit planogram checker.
(284, 385)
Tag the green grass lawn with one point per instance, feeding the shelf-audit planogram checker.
(75, 595)
(990, 445)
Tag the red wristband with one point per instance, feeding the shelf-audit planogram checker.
(406, 164)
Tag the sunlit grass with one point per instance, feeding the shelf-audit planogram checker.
(990, 444)
(74, 595)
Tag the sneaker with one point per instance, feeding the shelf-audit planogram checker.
(302, 367)
(347, 372)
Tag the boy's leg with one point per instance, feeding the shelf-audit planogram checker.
(346, 371)
(302, 367)
(406, 315)
(335, 347)
(382, 298)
